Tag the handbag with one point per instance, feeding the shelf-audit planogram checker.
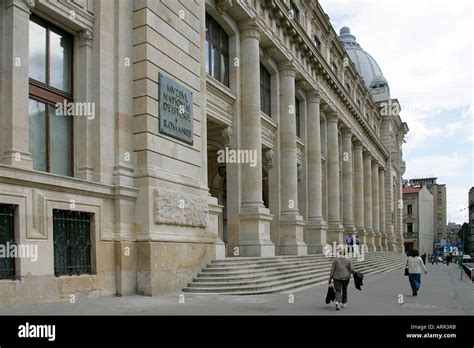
(406, 269)
(331, 295)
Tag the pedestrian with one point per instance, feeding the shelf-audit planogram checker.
(340, 274)
(415, 266)
(449, 258)
(357, 241)
(348, 239)
(423, 257)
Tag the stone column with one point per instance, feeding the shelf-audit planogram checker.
(291, 222)
(335, 228)
(254, 217)
(359, 191)
(348, 209)
(382, 208)
(316, 227)
(15, 89)
(368, 200)
(375, 204)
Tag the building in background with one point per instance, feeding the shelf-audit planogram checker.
(418, 219)
(439, 204)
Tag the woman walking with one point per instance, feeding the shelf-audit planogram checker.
(341, 271)
(415, 266)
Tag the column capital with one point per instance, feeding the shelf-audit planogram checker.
(332, 117)
(346, 132)
(287, 69)
(250, 30)
(375, 161)
(85, 38)
(367, 153)
(313, 96)
(25, 5)
(357, 144)
(381, 167)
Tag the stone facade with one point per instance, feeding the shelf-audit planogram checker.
(163, 208)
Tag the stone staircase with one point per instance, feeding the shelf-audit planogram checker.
(280, 274)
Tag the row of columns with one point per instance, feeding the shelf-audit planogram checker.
(362, 176)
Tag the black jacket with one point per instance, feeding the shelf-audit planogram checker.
(358, 276)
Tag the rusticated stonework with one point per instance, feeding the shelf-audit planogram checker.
(178, 208)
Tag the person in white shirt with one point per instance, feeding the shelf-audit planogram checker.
(415, 266)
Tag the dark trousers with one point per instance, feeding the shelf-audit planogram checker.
(341, 289)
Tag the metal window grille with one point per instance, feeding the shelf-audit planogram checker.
(7, 238)
(72, 242)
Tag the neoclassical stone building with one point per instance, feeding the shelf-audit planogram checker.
(114, 114)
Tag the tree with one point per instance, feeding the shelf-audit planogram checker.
(466, 238)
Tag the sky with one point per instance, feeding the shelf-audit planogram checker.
(425, 51)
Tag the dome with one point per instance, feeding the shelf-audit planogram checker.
(365, 64)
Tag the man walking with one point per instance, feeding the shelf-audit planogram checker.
(341, 271)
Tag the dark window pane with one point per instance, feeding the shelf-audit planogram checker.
(37, 52)
(225, 69)
(60, 61)
(265, 91)
(37, 134)
(297, 114)
(224, 41)
(61, 144)
(216, 64)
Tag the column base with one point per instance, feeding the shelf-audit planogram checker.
(378, 240)
(291, 235)
(370, 239)
(316, 231)
(255, 232)
(335, 233)
(384, 242)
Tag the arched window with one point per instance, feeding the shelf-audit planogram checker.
(217, 51)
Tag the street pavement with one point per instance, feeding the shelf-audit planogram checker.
(442, 293)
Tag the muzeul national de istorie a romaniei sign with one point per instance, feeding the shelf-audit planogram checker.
(176, 110)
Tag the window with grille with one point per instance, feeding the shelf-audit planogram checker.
(217, 51)
(50, 84)
(265, 91)
(72, 242)
(7, 239)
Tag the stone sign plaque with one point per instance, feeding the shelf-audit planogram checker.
(176, 110)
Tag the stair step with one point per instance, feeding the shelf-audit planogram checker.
(246, 276)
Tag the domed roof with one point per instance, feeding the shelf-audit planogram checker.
(365, 64)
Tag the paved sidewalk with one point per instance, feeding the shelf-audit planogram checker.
(442, 293)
